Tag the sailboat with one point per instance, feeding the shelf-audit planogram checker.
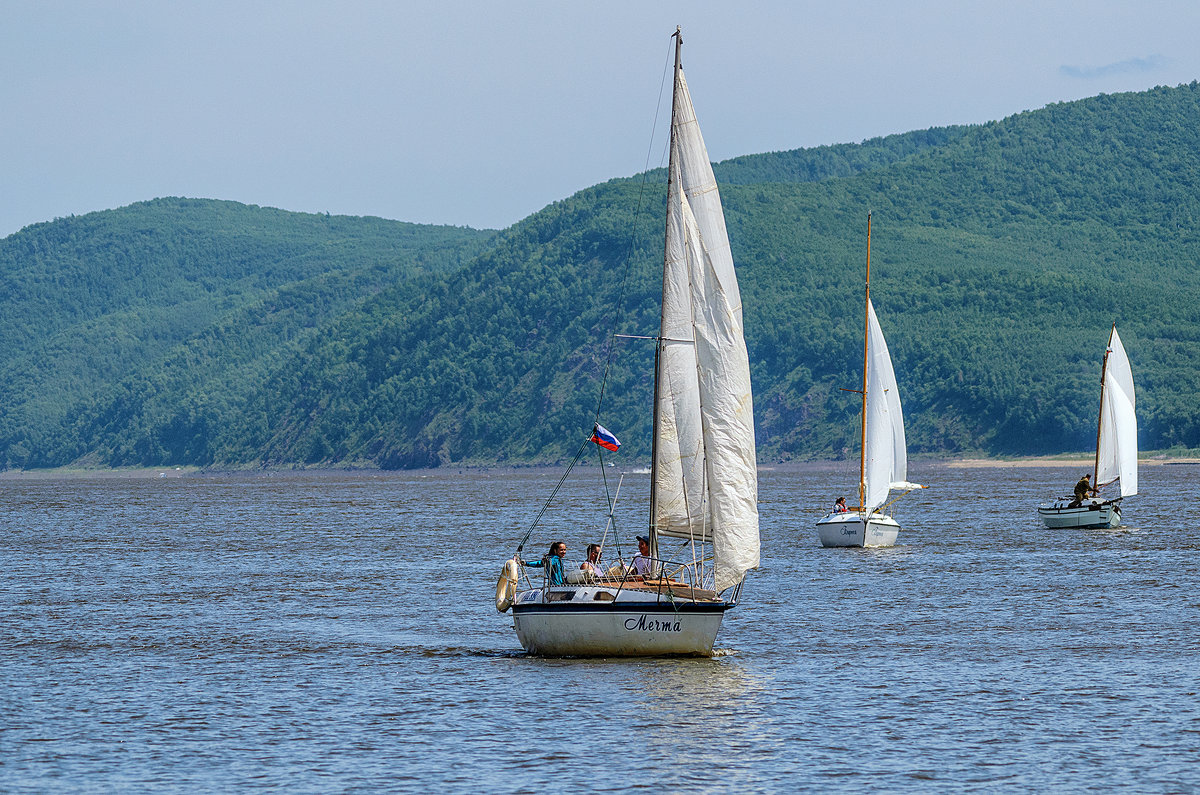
(1116, 448)
(703, 514)
(883, 457)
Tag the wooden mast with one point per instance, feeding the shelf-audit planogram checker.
(862, 442)
(653, 529)
(1100, 419)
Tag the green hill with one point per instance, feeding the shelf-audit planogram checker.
(1001, 254)
(120, 324)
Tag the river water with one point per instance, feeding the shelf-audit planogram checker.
(331, 632)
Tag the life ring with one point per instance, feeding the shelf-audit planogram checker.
(506, 586)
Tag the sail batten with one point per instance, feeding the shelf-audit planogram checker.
(706, 480)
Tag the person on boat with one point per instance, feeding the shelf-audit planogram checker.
(840, 505)
(642, 564)
(592, 565)
(1083, 489)
(553, 560)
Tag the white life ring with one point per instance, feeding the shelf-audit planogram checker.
(506, 586)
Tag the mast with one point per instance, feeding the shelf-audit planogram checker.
(862, 442)
(653, 529)
(1100, 418)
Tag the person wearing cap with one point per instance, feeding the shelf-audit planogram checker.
(553, 561)
(1082, 489)
(642, 564)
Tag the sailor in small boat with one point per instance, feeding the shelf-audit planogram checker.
(554, 561)
(1083, 489)
(840, 505)
(592, 565)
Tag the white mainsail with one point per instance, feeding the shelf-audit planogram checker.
(1116, 453)
(706, 480)
(885, 457)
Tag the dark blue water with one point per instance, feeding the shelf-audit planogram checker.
(335, 632)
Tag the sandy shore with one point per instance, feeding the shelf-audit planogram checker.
(997, 463)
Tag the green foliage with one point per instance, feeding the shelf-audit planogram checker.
(133, 335)
(191, 332)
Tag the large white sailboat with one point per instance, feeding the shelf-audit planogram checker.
(1116, 449)
(883, 455)
(703, 526)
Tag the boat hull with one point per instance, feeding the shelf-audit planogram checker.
(1092, 515)
(631, 625)
(853, 529)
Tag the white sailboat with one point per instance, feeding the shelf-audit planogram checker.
(704, 480)
(883, 456)
(1116, 449)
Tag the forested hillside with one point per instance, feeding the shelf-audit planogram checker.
(130, 335)
(161, 334)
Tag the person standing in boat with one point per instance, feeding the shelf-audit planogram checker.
(553, 561)
(1083, 489)
(592, 565)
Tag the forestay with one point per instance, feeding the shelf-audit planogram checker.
(1116, 454)
(706, 481)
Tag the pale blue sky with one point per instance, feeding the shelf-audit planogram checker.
(480, 113)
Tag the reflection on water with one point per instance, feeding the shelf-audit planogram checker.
(336, 631)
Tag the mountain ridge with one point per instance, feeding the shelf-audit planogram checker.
(1001, 254)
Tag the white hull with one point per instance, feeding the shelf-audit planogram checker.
(1092, 514)
(570, 621)
(854, 530)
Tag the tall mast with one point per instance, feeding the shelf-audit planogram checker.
(862, 442)
(1100, 419)
(678, 36)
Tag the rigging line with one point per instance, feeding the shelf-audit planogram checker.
(550, 499)
(612, 519)
(637, 215)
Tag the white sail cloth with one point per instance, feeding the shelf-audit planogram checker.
(885, 465)
(1116, 454)
(706, 478)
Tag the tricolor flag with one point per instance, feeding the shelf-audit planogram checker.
(603, 437)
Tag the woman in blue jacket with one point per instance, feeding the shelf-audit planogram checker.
(554, 560)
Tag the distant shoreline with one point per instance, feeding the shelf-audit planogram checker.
(637, 468)
(1047, 461)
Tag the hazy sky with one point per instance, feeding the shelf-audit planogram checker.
(480, 113)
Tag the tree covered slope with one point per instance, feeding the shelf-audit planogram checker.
(1001, 254)
(117, 322)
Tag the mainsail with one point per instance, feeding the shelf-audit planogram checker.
(1116, 446)
(705, 481)
(885, 455)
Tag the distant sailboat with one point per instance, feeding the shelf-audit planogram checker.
(703, 476)
(1116, 448)
(883, 457)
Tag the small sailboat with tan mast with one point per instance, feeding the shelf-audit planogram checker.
(883, 455)
(1116, 450)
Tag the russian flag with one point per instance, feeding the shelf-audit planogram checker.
(603, 437)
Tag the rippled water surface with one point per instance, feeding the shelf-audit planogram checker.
(332, 632)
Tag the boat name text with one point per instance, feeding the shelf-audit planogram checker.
(651, 625)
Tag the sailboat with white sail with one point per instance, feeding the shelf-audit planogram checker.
(1116, 449)
(883, 454)
(703, 520)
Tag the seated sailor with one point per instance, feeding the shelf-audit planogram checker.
(593, 565)
(1082, 490)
